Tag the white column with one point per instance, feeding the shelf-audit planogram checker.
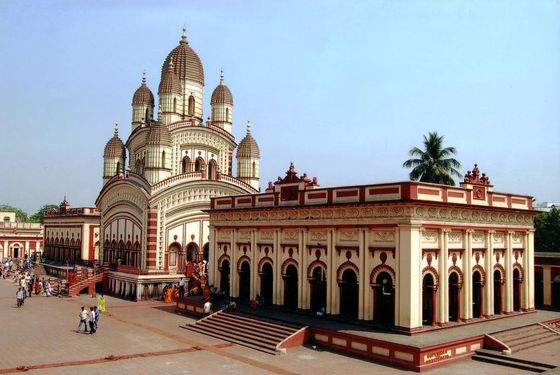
(508, 265)
(489, 287)
(233, 275)
(362, 253)
(368, 306)
(396, 282)
(303, 265)
(409, 256)
(5, 255)
(213, 257)
(254, 265)
(26, 250)
(277, 269)
(331, 272)
(443, 289)
(547, 286)
(466, 312)
(530, 271)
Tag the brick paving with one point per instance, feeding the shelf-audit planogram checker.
(145, 338)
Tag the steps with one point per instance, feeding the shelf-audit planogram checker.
(494, 357)
(526, 337)
(245, 330)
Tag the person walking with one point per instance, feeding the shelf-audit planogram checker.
(91, 321)
(101, 303)
(181, 288)
(19, 297)
(83, 320)
(96, 310)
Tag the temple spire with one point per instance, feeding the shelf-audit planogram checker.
(116, 133)
(221, 76)
(144, 77)
(184, 35)
(248, 126)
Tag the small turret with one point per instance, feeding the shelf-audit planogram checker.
(158, 152)
(113, 157)
(248, 159)
(222, 106)
(170, 96)
(142, 104)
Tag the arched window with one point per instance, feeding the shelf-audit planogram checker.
(186, 165)
(191, 105)
(254, 170)
(163, 159)
(212, 169)
(174, 104)
(147, 115)
(118, 167)
(227, 114)
(198, 165)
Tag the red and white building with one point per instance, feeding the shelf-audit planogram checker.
(404, 254)
(19, 239)
(72, 234)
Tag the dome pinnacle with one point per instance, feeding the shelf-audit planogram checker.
(116, 129)
(248, 126)
(221, 76)
(144, 77)
(184, 35)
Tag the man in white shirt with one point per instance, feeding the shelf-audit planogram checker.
(207, 308)
(83, 320)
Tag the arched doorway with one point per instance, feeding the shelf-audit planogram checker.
(291, 287)
(206, 251)
(454, 297)
(477, 294)
(245, 281)
(516, 290)
(318, 289)
(556, 292)
(384, 300)
(539, 287)
(349, 294)
(212, 170)
(428, 300)
(224, 277)
(266, 283)
(192, 251)
(497, 292)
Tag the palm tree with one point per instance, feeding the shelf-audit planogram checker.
(433, 164)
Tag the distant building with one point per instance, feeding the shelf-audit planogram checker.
(404, 254)
(72, 234)
(546, 206)
(18, 240)
(152, 207)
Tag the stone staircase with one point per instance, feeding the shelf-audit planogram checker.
(526, 337)
(497, 358)
(265, 336)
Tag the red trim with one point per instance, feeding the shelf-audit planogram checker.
(152, 216)
(351, 193)
(151, 247)
(151, 256)
(518, 201)
(388, 190)
(152, 231)
(454, 194)
(329, 196)
(317, 195)
(428, 191)
(498, 199)
(244, 200)
(223, 201)
(265, 199)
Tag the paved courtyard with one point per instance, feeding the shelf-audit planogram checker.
(145, 338)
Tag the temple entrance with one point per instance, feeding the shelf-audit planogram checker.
(516, 290)
(318, 289)
(291, 287)
(539, 287)
(224, 277)
(384, 301)
(497, 292)
(428, 300)
(15, 252)
(477, 294)
(245, 281)
(454, 297)
(349, 295)
(266, 283)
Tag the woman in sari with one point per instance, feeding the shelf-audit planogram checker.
(101, 303)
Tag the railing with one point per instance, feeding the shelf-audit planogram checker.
(193, 124)
(11, 225)
(191, 176)
(235, 181)
(73, 212)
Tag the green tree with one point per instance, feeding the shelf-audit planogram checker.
(433, 164)
(20, 214)
(38, 216)
(547, 231)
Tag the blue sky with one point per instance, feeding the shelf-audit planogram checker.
(341, 88)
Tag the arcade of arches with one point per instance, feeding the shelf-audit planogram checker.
(379, 262)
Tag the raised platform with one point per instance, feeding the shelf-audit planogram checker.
(417, 352)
